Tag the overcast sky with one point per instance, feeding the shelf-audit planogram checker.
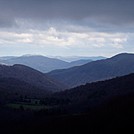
(66, 27)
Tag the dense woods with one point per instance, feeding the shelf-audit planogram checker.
(103, 105)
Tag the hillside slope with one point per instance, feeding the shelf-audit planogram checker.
(94, 94)
(30, 76)
(118, 65)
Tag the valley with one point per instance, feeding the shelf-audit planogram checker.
(36, 99)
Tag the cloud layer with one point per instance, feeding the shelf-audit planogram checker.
(73, 27)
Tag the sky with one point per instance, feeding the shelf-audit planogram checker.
(66, 27)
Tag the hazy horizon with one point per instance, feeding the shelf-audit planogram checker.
(53, 55)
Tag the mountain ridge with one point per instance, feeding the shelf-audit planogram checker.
(42, 63)
(29, 75)
(119, 65)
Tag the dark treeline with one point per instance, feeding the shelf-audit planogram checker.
(100, 107)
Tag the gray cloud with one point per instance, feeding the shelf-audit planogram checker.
(106, 11)
(7, 22)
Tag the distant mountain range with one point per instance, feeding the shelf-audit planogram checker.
(32, 77)
(7, 57)
(42, 63)
(75, 58)
(82, 72)
(118, 65)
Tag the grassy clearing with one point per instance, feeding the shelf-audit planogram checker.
(26, 106)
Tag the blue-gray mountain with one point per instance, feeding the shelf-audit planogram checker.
(118, 65)
(42, 63)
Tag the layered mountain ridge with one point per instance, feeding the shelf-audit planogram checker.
(118, 65)
(42, 63)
